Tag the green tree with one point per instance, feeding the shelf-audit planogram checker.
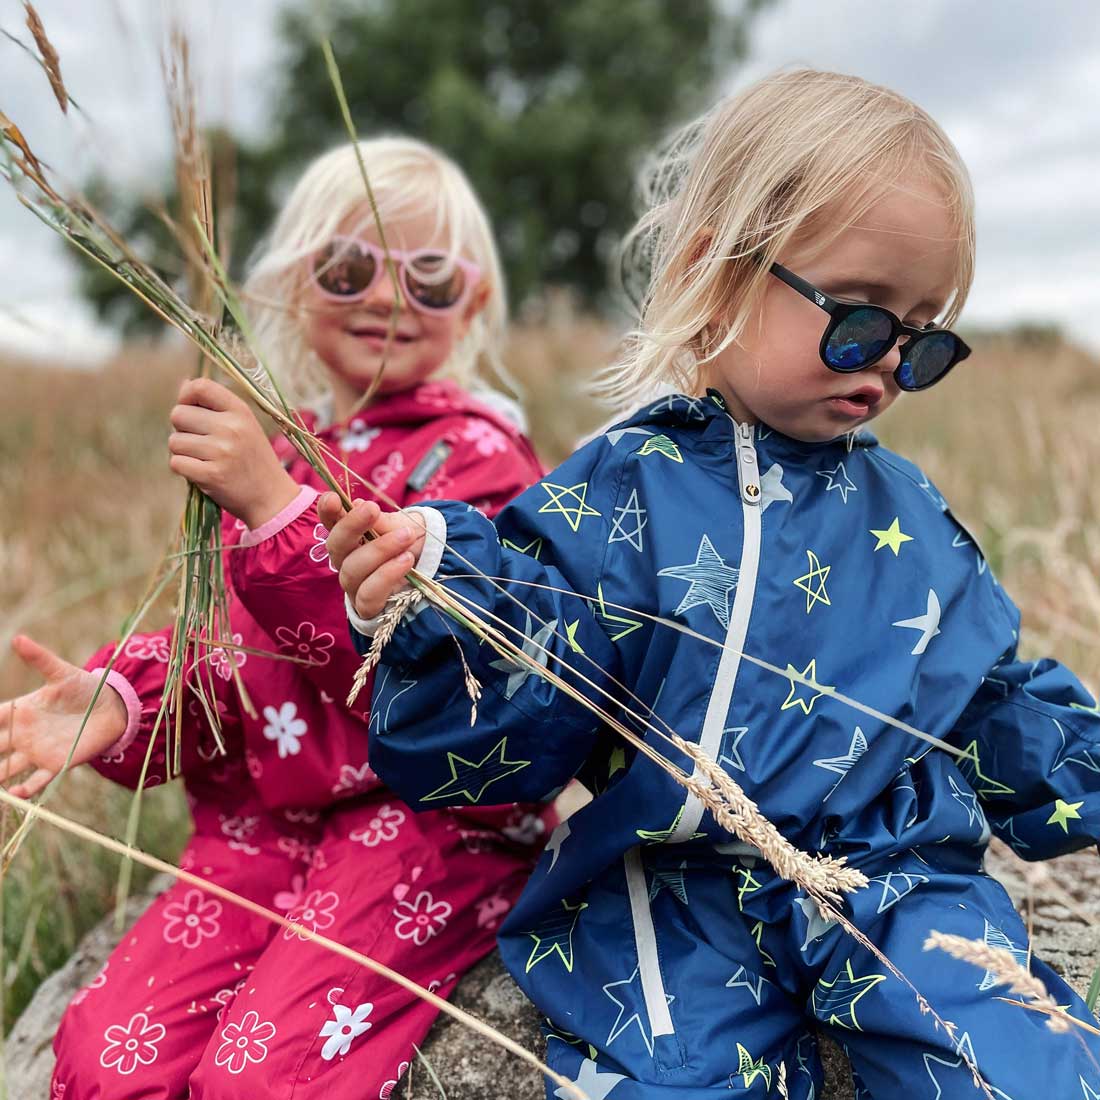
(547, 105)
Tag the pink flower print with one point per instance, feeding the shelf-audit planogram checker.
(296, 848)
(306, 643)
(253, 763)
(434, 394)
(192, 920)
(244, 1042)
(132, 1045)
(486, 439)
(148, 647)
(354, 780)
(223, 661)
(490, 910)
(240, 830)
(284, 727)
(381, 827)
(344, 1026)
(97, 982)
(421, 919)
(357, 436)
(285, 900)
(57, 1090)
(318, 552)
(385, 473)
(314, 913)
(387, 1089)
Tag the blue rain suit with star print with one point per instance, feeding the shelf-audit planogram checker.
(823, 610)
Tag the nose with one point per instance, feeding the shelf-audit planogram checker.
(890, 361)
(383, 293)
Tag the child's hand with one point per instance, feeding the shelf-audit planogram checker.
(37, 730)
(219, 446)
(370, 572)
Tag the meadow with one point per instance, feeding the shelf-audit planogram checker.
(87, 505)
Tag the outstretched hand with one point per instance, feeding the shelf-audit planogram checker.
(370, 572)
(38, 729)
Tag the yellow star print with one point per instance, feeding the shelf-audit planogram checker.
(533, 548)
(750, 1069)
(814, 592)
(616, 762)
(473, 779)
(571, 635)
(893, 537)
(1063, 811)
(661, 445)
(808, 673)
(557, 931)
(573, 513)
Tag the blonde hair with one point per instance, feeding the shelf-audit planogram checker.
(409, 179)
(798, 156)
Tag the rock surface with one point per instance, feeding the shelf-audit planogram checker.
(1064, 911)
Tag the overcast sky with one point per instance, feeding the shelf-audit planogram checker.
(1016, 84)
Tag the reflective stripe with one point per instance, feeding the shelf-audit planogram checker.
(645, 940)
(714, 723)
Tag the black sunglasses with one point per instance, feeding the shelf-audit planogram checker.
(858, 335)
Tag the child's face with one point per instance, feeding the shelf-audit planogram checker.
(349, 337)
(901, 255)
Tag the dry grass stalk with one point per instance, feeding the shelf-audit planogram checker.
(822, 877)
(1002, 966)
(300, 930)
(51, 63)
(396, 607)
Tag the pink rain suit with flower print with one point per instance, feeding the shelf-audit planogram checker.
(203, 999)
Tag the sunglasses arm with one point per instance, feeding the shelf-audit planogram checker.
(807, 290)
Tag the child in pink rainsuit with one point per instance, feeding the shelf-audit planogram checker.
(202, 999)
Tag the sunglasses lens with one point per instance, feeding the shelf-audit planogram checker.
(925, 359)
(434, 280)
(862, 337)
(343, 269)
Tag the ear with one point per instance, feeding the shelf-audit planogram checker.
(699, 245)
(479, 299)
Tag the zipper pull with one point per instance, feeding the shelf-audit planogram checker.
(748, 472)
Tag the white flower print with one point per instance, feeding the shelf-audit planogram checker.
(240, 830)
(223, 661)
(381, 827)
(132, 1045)
(306, 643)
(343, 1027)
(385, 473)
(192, 919)
(318, 552)
(288, 899)
(148, 647)
(421, 919)
(97, 982)
(244, 1042)
(354, 780)
(486, 439)
(524, 828)
(57, 1090)
(358, 437)
(315, 913)
(387, 1089)
(297, 815)
(285, 728)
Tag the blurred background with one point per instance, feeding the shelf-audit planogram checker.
(549, 105)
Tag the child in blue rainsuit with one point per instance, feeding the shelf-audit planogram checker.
(803, 240)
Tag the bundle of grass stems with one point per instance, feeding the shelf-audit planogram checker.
(195, 564)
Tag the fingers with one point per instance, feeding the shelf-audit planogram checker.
(193, 418)
(194, 469)
(329, 510)
(36, 782)
(348, 530)
(13, 765)
(208, 394)
(371, 596)
(44, 661)
(201, 447)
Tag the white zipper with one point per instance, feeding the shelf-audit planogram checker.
(645, 941)
(714, 722)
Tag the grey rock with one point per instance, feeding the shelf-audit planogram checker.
(1062, 897)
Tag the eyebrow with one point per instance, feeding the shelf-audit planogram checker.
(838, 286)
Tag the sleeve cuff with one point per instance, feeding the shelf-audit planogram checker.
(129, 697)
(431, 554)
(306, 496)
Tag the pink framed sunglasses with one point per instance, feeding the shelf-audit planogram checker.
(347, 269)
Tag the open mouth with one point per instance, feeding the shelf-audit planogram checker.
(859, 402)
(373, 334)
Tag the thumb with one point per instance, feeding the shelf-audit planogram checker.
(44, 661)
